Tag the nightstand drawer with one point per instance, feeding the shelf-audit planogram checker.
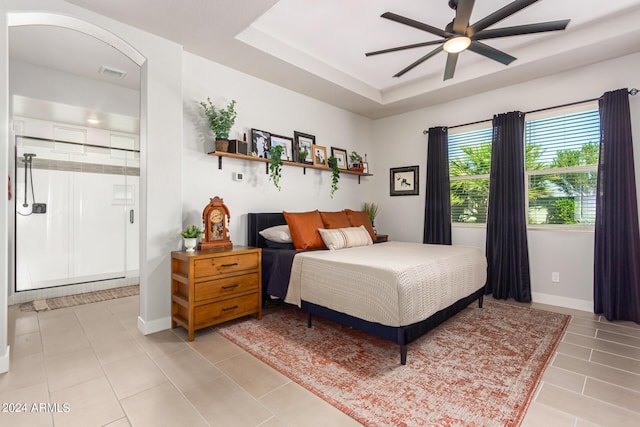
(225, 264)
(227, 286)
(227, 309)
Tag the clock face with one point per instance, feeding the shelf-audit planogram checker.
(216, 216)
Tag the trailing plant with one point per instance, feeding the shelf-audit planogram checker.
(275, 164)
(220, 121)
(371, 209)
(335, 174)
(192, 232)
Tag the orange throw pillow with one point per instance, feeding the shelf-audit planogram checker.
(335, 219)
(358, 218)
(304, 229)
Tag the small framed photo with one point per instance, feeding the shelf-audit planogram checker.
(341, 157)
(260, 142)
(302, 143)
(319, 155)
(404, 181)
(286, 143)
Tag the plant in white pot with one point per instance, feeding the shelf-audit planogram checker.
(220, 122)
(190, 235)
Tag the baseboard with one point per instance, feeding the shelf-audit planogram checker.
(4, 361)
(576, 304)
(153, 326)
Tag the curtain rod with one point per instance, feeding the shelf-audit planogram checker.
(631, 92)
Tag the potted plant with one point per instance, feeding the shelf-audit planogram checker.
(372, 211)
(356, 161)
(275, 164)
(190, 235)
(335, 174)
(220, 122)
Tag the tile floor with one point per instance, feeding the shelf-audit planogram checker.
(93, 359)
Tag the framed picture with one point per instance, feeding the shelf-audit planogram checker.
(404, 181)
(319, 155)
(302, 143)
(341, 157)
(260, 142)
(286, 143)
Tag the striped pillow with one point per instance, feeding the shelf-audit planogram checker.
(340, 238)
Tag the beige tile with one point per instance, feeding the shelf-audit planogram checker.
(574, 350)
(607, 326)
(602, 345)
(187, 369)
(542, 415)
(90, 403)
(624, 363)
(24, 323)
(133, 375)
(590, 409)
(122, 422)
(161, 343)
(68, 369)
(23, 372)
(26, 345)
(583, 423)
(222, 402)
(613, 394)
(251, 374)
(98, 320)
(601, 372)
(582, 330)
(115, 345)
(309, 410)
(273, 422)
(26, 415)
(64, 322)
(563, 378)
(161, 405)
(65, 342)
(619, 338)
(215, 348)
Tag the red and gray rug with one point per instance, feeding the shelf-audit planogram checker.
(480, 368)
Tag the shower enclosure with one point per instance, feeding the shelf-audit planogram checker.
(76, 213)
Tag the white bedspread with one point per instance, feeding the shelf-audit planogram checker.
(392, 283)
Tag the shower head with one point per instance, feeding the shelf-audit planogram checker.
(28, 157)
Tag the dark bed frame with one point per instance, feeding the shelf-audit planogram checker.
(401, 335)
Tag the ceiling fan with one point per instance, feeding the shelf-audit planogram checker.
(458, 35)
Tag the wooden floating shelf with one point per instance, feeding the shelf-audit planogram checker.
(221, 154)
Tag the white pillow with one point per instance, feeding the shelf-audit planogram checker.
(279, 233)
(340, 238)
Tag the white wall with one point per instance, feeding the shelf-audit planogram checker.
(399, 141)
(268, 107)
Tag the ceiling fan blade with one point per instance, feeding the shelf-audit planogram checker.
(522, 29)
(415, 24)
(409, 46)
(463, 14)
(420, 61)
(499, 15)
(491, 53)
(452, 60)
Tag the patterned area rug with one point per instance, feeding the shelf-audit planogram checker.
(79, 299)
(480, 368)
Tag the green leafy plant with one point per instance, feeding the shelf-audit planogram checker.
(354, 157)
(220, 121)
(335, 173)
(372, 210)
(192, 232)
(275, 164)
(303, 154)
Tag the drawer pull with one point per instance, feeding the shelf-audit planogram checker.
(230, 308)
(235, 285)
(229, 265)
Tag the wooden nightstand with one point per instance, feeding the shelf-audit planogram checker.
(381, 238)
(213, 286)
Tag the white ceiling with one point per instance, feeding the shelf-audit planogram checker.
(316, 47)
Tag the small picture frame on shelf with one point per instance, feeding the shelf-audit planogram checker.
(260, 142)
(303, 143)
(365, 167)
(286, 143)
(319, 155)
(341, 157)
(404, 181)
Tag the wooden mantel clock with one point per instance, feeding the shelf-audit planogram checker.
(216, 225)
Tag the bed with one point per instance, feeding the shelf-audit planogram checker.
(397, 291)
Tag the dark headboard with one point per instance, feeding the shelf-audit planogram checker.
(258, 222)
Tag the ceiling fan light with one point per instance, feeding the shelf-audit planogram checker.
(456, 44)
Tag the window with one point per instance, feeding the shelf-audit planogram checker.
(561, 159)
(562, 166)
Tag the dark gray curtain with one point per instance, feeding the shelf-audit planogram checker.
(507, 249)
(617, 240)
(437, 208)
